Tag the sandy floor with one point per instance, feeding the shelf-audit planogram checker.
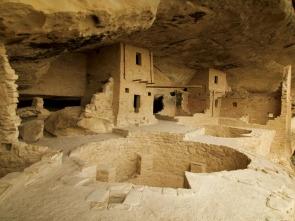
(162, 126)
(70, 143)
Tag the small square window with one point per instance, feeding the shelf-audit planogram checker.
(235, 104)
(149, 94)
(270, 115)
(216, 103)
(138, 58)
(126, 90)
(8, 146)
(216, 80)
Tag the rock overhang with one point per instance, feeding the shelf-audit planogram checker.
(251, 41)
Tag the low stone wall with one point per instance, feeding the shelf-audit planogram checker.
(17, 156)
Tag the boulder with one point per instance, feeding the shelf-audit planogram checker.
(67, 122)
(29, 113)
(95, 125)
(32, 131)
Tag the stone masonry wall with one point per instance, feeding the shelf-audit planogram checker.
(9, 122)
(101, 105)
(282, 124)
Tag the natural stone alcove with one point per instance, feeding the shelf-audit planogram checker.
(160, 162)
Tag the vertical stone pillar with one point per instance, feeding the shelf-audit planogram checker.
(281, 145)
(286, 110)
(9, 121)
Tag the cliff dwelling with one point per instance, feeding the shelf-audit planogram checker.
(147, 110)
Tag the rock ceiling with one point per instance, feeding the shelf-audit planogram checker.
(250, 40)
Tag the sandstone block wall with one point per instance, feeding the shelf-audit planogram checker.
(131, 69)
(133, 81)
(202, 100)
(101, 105)
(9, 122)
(258, 106)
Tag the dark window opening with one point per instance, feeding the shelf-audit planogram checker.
(149, 94)
(136, 103)
(185, 89)
(138, 58)
(216, 80)
(8, 146)
(52, 104)
(172, 94)
(126, 90)
(24, 103)
(158, 104)
(235, 104)
(216, 103)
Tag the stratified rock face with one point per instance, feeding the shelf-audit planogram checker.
(249, 40)
(35, 32)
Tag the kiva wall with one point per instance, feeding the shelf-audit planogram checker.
(170, 154)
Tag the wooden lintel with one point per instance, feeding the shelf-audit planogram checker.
(188, 86)
(137, 80)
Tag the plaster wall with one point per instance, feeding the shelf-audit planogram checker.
(221, 85)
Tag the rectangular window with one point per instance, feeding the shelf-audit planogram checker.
(216, 103)
(126, 90)
(149, 94)
(235, 104)
(138, 58)
(216, 80)
(136, 103)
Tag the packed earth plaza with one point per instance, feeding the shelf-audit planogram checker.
(147, 110)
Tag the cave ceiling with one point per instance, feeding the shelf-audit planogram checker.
(249, 40)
